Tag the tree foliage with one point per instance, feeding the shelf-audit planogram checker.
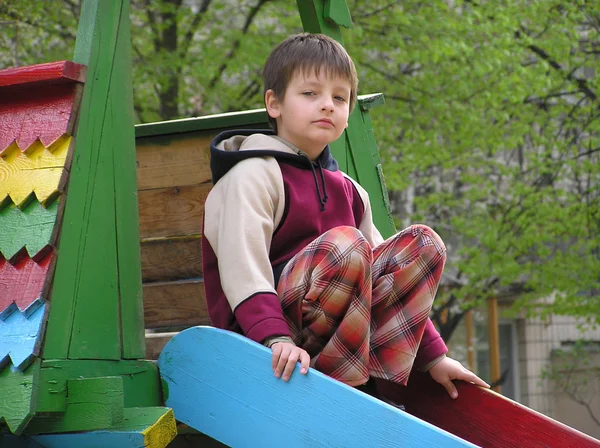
(490, 132)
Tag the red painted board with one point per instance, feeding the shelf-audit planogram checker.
(43, 74)
(482, 416)
(40, 112)
(23, 282)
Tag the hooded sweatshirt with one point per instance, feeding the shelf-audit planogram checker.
(268, 202)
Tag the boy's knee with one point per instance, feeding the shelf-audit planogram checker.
(429, 237)
(351, 242)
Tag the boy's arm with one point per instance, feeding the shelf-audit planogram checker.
(432, 348)
(240, 215)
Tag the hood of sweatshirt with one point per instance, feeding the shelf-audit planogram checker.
(231, 147)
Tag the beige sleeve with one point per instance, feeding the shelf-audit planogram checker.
(241, 213)
(366, 226)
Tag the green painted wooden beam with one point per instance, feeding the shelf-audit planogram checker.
(141, 383)
(312, 14)
(96, 310)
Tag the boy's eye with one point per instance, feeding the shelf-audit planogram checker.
(340, 98)
(308, 93)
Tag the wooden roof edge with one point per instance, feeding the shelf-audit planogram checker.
(228, 120)
(49, 73)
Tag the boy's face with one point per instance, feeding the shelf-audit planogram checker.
(313, 112)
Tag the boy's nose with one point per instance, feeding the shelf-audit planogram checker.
(327, 105)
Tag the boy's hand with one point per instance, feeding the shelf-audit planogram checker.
(285, 357)
(449, 369)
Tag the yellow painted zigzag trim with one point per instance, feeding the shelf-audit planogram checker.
(37, 170)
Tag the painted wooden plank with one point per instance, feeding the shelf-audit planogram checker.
(177, 258)
(313, 20)
(17, 400)
(20, 335)
(149, 427)
(48, 73)
(31, 228)
(483, 416)
(337, 11)
(175, 304)
(126, 202)
(173, 160)
(44, 113)
(92, 403)
(38, 170)
(141, 383)
(221, 383)
(24, 282)
(174, 211)
(84, 320)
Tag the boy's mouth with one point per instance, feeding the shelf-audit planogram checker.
(324, 122)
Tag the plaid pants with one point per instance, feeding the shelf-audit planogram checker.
(360, 311)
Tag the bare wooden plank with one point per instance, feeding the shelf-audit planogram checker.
(180, 303)
(155, 342)
(173, 161)
(175, 211)
(167, 259)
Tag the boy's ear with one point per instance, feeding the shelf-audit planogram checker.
(272, 104)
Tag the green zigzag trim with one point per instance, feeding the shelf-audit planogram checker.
(17, 398)
(30, 227)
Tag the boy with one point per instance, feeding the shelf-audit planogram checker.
(291, 257)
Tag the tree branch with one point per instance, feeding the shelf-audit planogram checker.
(581, 83)
(27, 21)
(236, 44)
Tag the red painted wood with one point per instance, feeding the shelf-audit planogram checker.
(23, 282)
(482, 416)
(43, 74)
(42, 112)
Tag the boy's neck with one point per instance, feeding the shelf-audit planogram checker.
(297, 150)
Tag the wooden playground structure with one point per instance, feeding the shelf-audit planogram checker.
(100, 226)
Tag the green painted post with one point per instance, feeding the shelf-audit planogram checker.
(356, 149)
(96, 305)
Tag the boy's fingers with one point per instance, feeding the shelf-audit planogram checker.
(476, 380)
(275, 358)
(305, 361)
(291, 364)
(283, 359)
(451, 388)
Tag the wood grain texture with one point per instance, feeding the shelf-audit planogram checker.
(92, 403)
(175, 211)
(173, 160)
(166, 259)
(24, 282)
(146, 427)
(20, 336)
(141, 384)
(30, 228)
(482, 416)
(88, 308)
(44, 113)
(126, 202)
(17, 400)
(38, 170)
(60, 72)
(179, 303)
(221, 384)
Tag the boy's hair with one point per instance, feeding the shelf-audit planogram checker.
(303, 53)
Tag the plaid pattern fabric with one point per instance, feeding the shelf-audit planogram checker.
(359, 311)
